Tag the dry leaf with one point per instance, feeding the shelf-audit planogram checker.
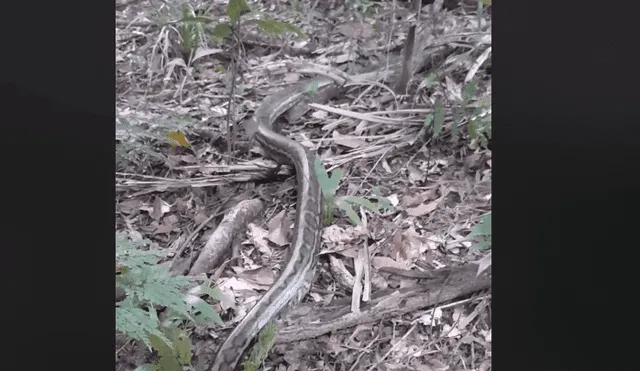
(384, 262)
(163, 229)
(343, 58)
(290, 78)
(262, 276)
(189, 159)
(170, 220)
(129, 206)
(182, 205)
(423, 209)
(200, 218)
(278, 227)
(484, 263)
(412, 200)
(259, 238)
(415, 174)
(160, 207)
(356, 30)
(348, 140)
(393, 200)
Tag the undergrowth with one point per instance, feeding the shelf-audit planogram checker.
(149, 288)
(477, 115)
(329, 185)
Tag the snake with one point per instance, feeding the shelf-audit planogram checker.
(296, 278)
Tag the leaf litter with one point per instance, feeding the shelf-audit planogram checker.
(438, 190)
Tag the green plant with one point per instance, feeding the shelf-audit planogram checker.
(191, 30)
(259, 352)
(329, 186)
(478, 119)
(149, 287)
(481, 233)
(239, 8)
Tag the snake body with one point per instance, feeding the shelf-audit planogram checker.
(296, 278)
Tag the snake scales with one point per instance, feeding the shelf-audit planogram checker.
(296, 278)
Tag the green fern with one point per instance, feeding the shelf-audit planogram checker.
(148, 286)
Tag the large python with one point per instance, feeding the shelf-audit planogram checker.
(296, 278)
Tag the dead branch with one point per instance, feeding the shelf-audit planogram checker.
(311, 320)
(222, 238)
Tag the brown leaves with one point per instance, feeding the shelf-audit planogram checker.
(422, 204)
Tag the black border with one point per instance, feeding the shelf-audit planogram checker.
(565, 186)
(58, 166)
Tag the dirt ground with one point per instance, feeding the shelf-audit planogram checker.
(438, 187)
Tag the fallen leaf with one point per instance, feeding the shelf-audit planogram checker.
(178, 138)
(200, 218)
(423, 209)
(484, 263)
(182, 205)
(160, 207)
(129, 206)
(348, 140)
(413, 200)
(163, 229)
(385, 262)
(415, 174)
(262, 276)
(290, 78)
(393, 200)
(189, 159)
(432, 317)
(343, 58)
(356, 30)
(170, 220)
(278, 227)
(454, 90)
(319, 114)
(259, 238)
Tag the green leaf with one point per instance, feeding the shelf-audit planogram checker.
(382, 201)
(167, 363)
(430, 80)
(438, 118)
(428, 120)
(312, 87)
(206, 313)
(182, 347)
(483, 228)
(213, 292)
(329, 185)
(362, 202)
(472, 129)
(277, 28)
(160, 345)
(469, 91)
(481, 245)
(221, 30)
(353, 216)
(236, 9)
(192, 21)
